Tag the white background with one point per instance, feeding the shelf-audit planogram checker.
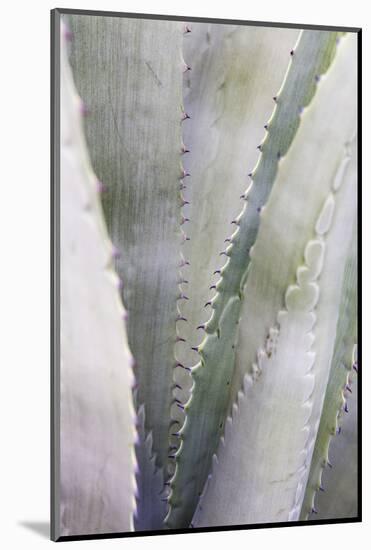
(24, 288)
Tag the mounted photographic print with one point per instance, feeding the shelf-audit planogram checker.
(204, 190)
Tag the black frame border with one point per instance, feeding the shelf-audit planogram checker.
(55, 272)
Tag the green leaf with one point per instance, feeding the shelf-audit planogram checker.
(130, 73)
(339, 241)
(151, 501)
(97, 429)
(228, 96)
(310, 58)
(340, 499)
(235, 71)
(281, 354)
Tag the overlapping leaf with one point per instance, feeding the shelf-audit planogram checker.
(200, 438)
(130, 73)
(97, 462)
(263, 461)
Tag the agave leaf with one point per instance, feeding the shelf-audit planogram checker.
(341, 483)
(97, 434)
(150, 509)
(134, 135)
(310, 58)
(340, 240)
(234, 73)
(263, 460)
(340, 499)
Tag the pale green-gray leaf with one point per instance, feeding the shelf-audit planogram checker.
(235, 72)
(228, 94)
(340, 482)
(151, 500)
(97, 429)
(311, 57)
(255, 481)
(340, 499)
(130, 73)
(340, 240)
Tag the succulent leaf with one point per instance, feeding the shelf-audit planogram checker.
(339, 495)
(235, 438)
(340, 238)
(341, 483)
(134, 135)
(228, 95)
(313, 55)
(263, 459)
(97, 419)
(151, 501)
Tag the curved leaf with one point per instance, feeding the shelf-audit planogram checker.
(130, 73)
(97, 430)
(340, 499)
(263, 460)
(311, 56)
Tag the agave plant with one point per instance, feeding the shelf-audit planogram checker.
(228, 157)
